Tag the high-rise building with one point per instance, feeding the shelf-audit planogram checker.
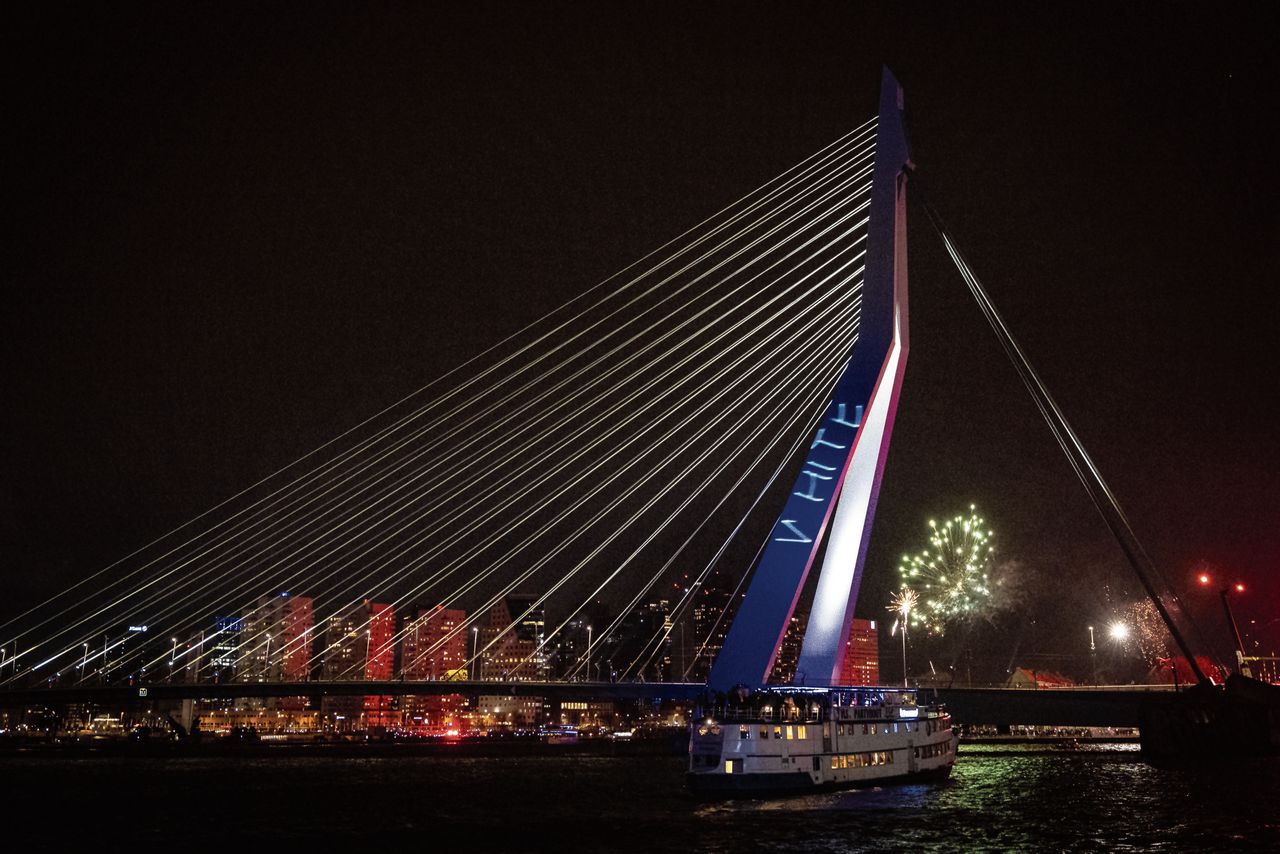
(434, 644)
(571, 646)
(638, 646)
(784, 665)
(861, 664)
(710, 624)
(275, 640)
(359, 644)
(224, 648)
(514, 652)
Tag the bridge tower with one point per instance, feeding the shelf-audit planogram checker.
(834, 498)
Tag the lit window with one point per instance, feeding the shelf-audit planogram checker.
(790, 733)
(728, 766)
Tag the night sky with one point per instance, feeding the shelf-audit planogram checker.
(234, 233)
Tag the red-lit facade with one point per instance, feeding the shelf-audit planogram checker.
(360, 644)
(861, 663)
(276, 640)
(434, 647)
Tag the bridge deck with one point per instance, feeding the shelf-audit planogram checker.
(1105, 706)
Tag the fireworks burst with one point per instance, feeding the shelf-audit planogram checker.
(1149, 634)
(952, 575)
(903, 603)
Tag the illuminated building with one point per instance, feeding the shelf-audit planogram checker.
(276, 640)
(503, 712)
(511, 641)
(784, 666)
(710, 625)
(642, 636)
(359, 645)
(435, 646)
(225, 647)
(584, 713)
(861, 662)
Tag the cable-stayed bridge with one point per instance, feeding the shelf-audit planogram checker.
(640, 481)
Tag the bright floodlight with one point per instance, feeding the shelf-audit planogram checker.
(1119, 631)
(1204, 578)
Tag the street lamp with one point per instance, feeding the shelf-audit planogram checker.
(475, 651)
(588, 653)
(1119, 632)
(1093, 656)
(902, 603)
(1231, 622)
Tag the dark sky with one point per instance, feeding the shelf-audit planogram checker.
(234, 233)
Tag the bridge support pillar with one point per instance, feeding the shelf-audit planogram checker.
(186, 715)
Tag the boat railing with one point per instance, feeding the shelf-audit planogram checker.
(728, 713)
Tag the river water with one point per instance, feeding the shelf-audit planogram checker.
(999, 799)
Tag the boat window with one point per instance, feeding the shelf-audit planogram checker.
(802, 731)
(835, 762)
(864, 729)
(728, 766)
(777, 732)
(744, 731)
(764, 733)
(826, 730)
(790, 733)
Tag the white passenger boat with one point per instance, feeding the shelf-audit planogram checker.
(784, 740)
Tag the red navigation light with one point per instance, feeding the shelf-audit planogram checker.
(1204, 578)
(1239, 588)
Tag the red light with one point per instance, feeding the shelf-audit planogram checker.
(1204, 579)
(1239, 588)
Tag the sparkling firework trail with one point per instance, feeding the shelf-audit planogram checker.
(904, 602)
(952, 574)
(1149, 633)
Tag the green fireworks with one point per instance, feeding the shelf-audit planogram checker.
(952, 575)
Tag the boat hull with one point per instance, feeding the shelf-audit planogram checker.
(718, 787)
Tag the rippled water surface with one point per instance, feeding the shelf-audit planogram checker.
(998, 799)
